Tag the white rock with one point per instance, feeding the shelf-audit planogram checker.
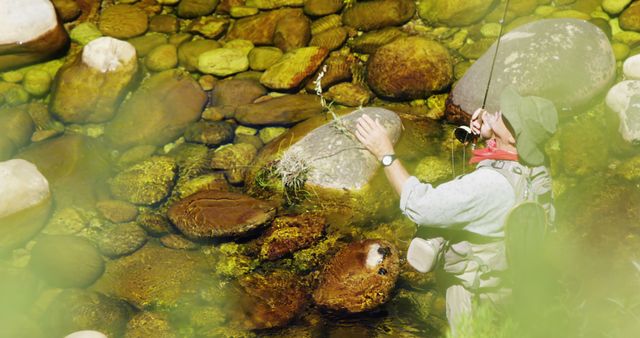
(14, 27)
(21, 186)
(108, 54)
(86, 334)
(631, 68)
(624, 99)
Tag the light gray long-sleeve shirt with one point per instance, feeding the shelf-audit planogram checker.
(477, 202)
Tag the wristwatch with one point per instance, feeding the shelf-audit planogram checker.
(388, 159)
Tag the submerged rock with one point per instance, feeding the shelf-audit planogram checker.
(453, 12)
(567, 61)
(293, 67)
(229, 94)
(234, 159)
(66, 261)
(29, 32)
(288, 234)
(117, 211)
(74, 310)
(195, 8)
(189, 52)
(121, 239)
(284, 110)
(268, 300)
(261, 58)
(90, 88)
(624, 99)
(410, 68)
(369, 42)
(209, 214)
(322, 7)
(359, 278)
(209, 133)
(157, 112)
(123, 21)
(292, 32)
(370, 15)
(16, 128)
(25, 203)
(155, 277)
(149, 324)
(260, 28)
(147, 182)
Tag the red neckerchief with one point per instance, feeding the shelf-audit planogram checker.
(491, 152)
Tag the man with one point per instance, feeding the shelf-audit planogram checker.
(475, 205)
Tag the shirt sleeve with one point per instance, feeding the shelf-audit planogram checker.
(457, 203)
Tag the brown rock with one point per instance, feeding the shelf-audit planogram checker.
(292, 32)
(210, 214)
(163, 23)
(370, 15)
(209, 133)
(229, 94)
(322, 7)
(147, 182)
(630, 18)
(123, 21)
(158, 112)
(359, 278)
(224, 7)
(369, 42)
(284, 110)
(174, 241)
(268, 300)
(117, 211)
(259, 29)
(24, 41)
(209, 27)
(194, 8)
(16, 127)
(330, 39)
(339, 69)
(410, 68)
(155, 224)
(349, 94)
(67, 9)
(326, 22)
(288, 234)
(271, 4)
(121, 239)
(293, 67)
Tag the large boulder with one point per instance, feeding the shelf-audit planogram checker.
(158, 112)
(567, 61)
(320, 165)
(260, 28)
(90, 88)
(410, 68)
(454, 12)
(370, 15)
(29, 32)
(359, 277)
(624, 100)
(66, 261)
(25, 202)
(293, 67)
(209, 214)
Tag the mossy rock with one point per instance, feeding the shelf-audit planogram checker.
(145, 183)
(149, 324)
(66, 261)
(223, 61)
(163, 23)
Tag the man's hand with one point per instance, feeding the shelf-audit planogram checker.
(373, 136)
(476, 120)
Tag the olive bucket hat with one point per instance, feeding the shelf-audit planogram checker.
(533, 119)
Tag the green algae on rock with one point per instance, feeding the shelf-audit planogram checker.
(360, 277)
(210, 214)
(90, 88)
(149, 324)
(209, 27)
(322, 7)
(288, 234)
(223, 61)
(147, 182)
(66, 261)
(209, 133)
(261, 58)
(158, 112)
(410, 68)
(349, 94)
(293, 67)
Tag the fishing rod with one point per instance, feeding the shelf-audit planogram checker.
(464, 134)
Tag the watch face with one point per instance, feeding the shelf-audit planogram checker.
(387, 159)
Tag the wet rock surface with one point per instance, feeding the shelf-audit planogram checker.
(210, 214)
(555, 62)
(66, 261)
(288, 234)
(359, 277)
